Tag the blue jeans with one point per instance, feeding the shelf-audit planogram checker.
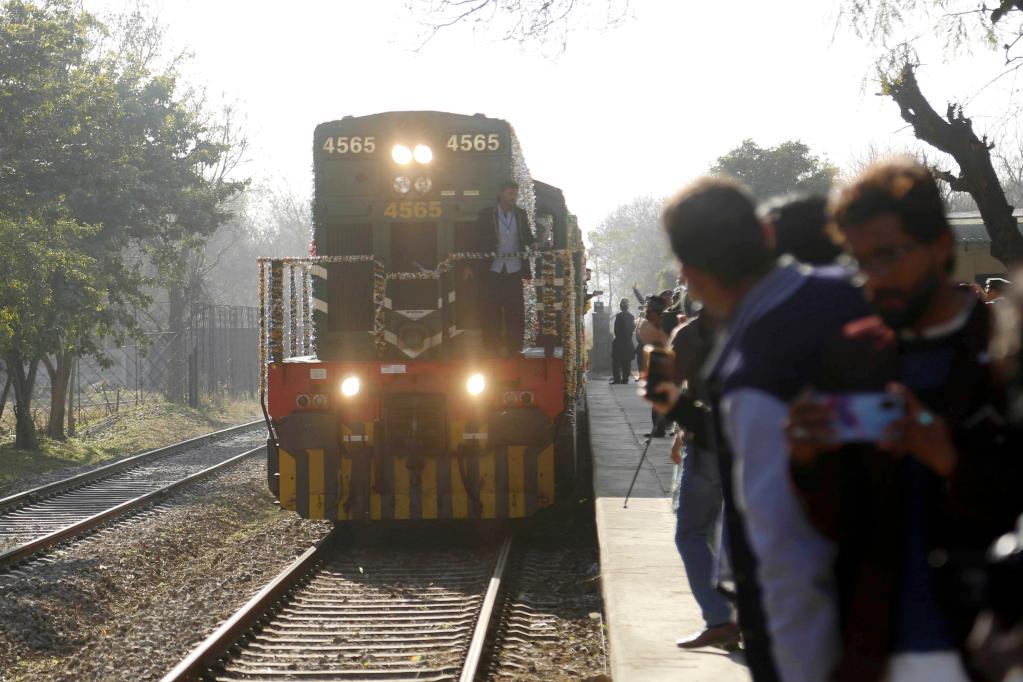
(695, 530)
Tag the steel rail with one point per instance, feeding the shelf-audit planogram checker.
(47, 541)
(42, 492)
(218, 643)
(483, 622)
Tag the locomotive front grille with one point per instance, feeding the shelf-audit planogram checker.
(415, 424)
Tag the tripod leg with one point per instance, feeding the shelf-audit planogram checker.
(635, 475)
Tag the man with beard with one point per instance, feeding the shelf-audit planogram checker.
(776, 320)
(912, 513)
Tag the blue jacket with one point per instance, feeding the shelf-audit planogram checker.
(770, 350)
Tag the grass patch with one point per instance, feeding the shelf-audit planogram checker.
(152, 425)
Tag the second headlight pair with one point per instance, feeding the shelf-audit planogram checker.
(403, 185)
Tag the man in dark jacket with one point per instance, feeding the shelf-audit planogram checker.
(913, 513)
(621, 346)
(505, 230)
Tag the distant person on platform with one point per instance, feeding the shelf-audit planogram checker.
(505, 229)
(622, 349)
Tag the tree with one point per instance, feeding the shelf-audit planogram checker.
(266, 221)
(543, 22)
(963, 23)
(773, 171)
(94, 137)
(42, 263)
(629, 247)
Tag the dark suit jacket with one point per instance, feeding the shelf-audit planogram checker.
(624, 328)
(486, 223)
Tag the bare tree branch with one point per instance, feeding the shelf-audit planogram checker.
(542, 22)
(955, 136)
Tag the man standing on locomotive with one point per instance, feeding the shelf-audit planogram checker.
(505, 229)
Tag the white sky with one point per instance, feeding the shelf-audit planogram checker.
(635, 110)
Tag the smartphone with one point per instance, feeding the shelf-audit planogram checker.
(660, 367)
(863, 417)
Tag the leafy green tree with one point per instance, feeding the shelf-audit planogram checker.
(45, 262)
(91, 135)
(896, 27)
(772, 171)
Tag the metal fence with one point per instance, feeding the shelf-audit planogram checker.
(215, 356)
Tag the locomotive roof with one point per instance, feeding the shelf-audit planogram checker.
(424, 112)
(548, 194)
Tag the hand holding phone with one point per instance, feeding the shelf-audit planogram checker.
(863, 417)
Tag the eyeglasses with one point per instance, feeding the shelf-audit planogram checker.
(882, 259)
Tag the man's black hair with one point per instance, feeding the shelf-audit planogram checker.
(712, 225)
(654, 304)
(801, 228)
(506, 184)
(899, 186)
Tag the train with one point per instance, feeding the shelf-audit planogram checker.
(381, 398)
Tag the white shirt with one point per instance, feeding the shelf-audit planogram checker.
(507, 242)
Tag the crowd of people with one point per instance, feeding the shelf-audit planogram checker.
(847, 418)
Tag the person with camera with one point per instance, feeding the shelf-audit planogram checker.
(650, 332)
(699, 485)
(903, 454)
(776, 321)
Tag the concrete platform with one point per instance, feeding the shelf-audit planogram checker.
(647, 600)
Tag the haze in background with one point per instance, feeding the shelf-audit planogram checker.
(633, 110)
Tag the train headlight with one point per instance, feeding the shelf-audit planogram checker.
(319, 401)
(402, 185)
(423, 184)
(476, 384)
(401, 154)
(350, 387)
(422, 154)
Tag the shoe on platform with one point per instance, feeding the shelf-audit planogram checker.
(724, 636)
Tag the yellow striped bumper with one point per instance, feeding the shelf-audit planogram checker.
(352, 480)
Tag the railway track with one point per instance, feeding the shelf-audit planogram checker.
(341, 614)
(39, 519)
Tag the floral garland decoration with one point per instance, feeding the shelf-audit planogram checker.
(272, 310)
(569, 324)
(292, 313)
(549, 312)
(262, 328)
(276, 344)
(307, 326)
(379, 315)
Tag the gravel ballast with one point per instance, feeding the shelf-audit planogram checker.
(129, 603)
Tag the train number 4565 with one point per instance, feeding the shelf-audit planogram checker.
(414, 209)
(467, 142)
